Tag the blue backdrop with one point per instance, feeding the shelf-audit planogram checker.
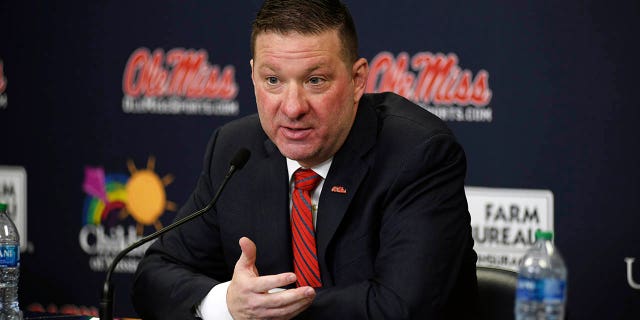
(559, 113)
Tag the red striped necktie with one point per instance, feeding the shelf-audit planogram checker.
(305, 258)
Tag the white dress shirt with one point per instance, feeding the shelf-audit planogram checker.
(214, 305)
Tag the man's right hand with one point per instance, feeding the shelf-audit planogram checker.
(248, 297)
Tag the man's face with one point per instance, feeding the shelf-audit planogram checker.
(307, 96)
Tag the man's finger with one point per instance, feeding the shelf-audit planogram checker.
(265, 283)
(288, 303)
(297, 296)
(248, 257)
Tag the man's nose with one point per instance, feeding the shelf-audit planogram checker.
(294, 104)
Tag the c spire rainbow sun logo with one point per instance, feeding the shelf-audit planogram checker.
(141, 195)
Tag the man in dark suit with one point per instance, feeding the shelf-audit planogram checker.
(383, 231)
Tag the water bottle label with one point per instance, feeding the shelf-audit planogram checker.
(527, 289)
(9, 255)
(553, 290)
(547, 290)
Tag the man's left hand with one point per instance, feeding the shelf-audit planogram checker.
(248, 297)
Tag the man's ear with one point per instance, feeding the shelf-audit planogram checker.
(251, 64)
(360, 73)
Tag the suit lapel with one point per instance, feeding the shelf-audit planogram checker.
(348, 170)
(273, 231)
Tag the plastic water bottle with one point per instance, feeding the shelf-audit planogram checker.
(542, 282)
(9, 267)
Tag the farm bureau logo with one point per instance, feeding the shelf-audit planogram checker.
(3, 87)
(178, 82)
(435, 82)
(112, 198)
(503, 222)
(632, 283)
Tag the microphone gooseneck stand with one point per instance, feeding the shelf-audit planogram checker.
(106, 304)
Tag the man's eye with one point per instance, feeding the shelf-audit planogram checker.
(316, 80)
(272, 80)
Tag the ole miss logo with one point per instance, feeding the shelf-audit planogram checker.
(179, 72)
(3, 87)
(178, 81)
(3, 80)
(435, 82)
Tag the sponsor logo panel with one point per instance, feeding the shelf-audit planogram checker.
(504, 222)
(13, 192)
(436, 82)
(112, 198)
(634, 284)
(4, 101)
(178, 82)
(66, 309)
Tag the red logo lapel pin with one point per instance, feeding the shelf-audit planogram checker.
(339, 189)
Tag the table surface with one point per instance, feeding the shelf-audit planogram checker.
(27, 315)
(37, 315)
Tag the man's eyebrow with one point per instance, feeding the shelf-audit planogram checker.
(316, 67)
(268, 67)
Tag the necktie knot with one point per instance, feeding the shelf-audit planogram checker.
(306, 179)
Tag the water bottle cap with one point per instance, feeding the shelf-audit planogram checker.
(3, 206)
(545, 235)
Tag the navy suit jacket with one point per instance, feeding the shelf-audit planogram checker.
(396, 245)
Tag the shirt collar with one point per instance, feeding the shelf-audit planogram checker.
(321, 169)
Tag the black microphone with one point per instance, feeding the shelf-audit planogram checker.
(106, 304)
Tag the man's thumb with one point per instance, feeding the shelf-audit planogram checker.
(248, 256)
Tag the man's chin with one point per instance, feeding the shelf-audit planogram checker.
(300, 155)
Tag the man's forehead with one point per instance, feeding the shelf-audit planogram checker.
(295, 33)
(273, 40)
(331, 34)
(321, 48)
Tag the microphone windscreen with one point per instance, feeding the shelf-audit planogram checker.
(240, 158)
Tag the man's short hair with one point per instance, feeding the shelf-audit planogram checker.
(308, 17)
